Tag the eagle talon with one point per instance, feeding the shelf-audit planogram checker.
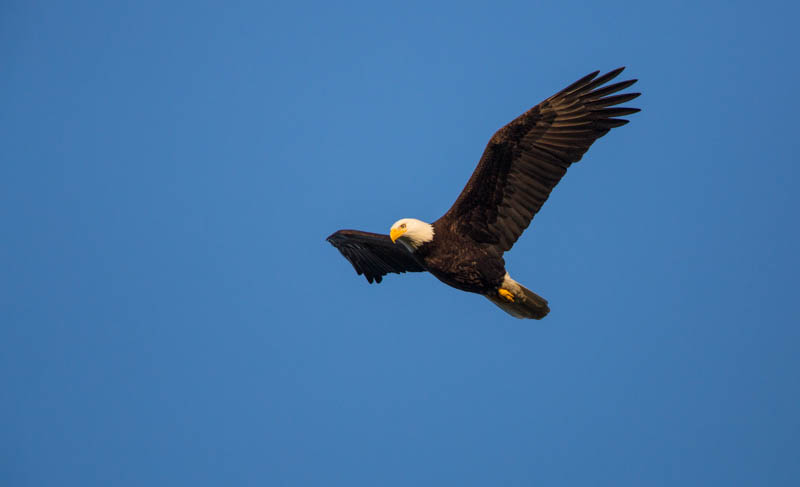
(505, 294)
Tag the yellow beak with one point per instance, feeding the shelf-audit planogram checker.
(395, 233)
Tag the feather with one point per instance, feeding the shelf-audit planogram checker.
(373, 254)
(526, 159)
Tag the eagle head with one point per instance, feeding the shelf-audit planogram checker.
(411, 233)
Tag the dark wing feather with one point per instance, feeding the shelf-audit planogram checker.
(525, 160)
(373, 254)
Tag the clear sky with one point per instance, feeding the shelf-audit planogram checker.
(172, 314)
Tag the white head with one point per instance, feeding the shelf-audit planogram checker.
(411, 233)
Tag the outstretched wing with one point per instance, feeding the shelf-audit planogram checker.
(373, 254)
(525, 160)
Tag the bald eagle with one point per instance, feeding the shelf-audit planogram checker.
(520, 166)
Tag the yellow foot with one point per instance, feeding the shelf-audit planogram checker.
(506, 295)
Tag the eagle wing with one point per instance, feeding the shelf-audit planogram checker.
(524, 160)
(373, 254)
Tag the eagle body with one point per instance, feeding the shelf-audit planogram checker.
(521, 165)
(461, 262)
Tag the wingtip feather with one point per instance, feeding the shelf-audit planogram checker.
(581, 82)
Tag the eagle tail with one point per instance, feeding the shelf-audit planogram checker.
(525, 304)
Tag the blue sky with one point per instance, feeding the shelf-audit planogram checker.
(171, 313)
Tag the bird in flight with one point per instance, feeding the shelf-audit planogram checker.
(520, 166)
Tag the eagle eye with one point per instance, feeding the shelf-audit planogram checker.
(403, 225)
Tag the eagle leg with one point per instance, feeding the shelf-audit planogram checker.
(506, 294)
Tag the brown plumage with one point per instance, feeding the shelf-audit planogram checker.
(520, 166)
(373, 254)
